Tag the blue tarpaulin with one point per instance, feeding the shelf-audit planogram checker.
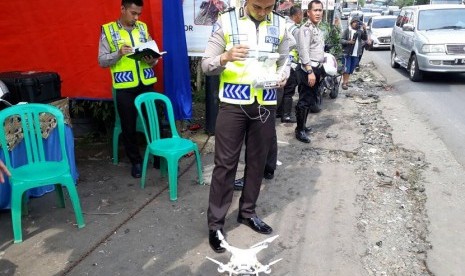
(176, 63)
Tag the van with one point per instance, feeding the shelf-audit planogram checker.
(429, 38)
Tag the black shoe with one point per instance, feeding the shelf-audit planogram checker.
(239, 184)
(301, 135)
(256, 224)
(136, 171)
(307, 129)
(215, 242)
(268, 175)
(288, 119)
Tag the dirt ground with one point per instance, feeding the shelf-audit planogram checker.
(353, 202)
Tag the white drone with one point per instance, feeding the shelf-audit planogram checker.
(244, 261)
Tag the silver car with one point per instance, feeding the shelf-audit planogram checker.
(379, 29)
(429, 38)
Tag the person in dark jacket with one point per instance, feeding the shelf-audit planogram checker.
(352, 40)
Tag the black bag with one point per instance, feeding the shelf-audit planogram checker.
(32, 87)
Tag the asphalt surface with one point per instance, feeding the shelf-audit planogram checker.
(311, 204)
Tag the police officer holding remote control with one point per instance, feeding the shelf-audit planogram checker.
(246, 109)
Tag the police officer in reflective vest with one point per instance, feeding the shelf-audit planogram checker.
(311, 52)
(243, 43)
(130, 77)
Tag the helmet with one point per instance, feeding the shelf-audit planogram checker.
(330, 64)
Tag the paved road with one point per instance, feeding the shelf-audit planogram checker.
(439, 99)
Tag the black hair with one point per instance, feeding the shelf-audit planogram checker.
(127, 3)
(294, 10)
(310, 5)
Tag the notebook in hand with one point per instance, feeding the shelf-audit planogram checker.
(145, 50)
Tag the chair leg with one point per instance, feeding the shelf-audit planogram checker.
(60, 196)
(144, 168)
(116, 133)
(16, 202)
(199, 166)
(173, 179)
(73, 195)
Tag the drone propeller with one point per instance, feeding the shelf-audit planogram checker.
(265, 242)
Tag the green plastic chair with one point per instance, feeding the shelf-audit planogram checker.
(37, 171)
(117, 129)
(171, 149)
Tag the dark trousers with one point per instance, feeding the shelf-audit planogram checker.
(289, 91)
(128, 115)
(272, 156)
(286, 93)
(307, 94)
(233, 124)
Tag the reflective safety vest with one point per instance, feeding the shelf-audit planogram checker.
(236, 81)
(127, 72)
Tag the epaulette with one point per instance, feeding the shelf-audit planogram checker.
(228, 10)
(277, 13)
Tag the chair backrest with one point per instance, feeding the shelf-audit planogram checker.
(27, 118)
(146, 105)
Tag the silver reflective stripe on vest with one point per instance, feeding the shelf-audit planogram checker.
(115, 37)
(142, 33)
(276, 24)
(236, 91)
(270, 94)
(234, 28)
(126, 76)
(149, 73)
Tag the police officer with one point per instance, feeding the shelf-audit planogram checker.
(311, 52)
(130, 77)
(243, 40)
(293, 25)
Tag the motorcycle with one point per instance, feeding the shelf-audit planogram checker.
(329, 85)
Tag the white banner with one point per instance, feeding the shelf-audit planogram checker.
(199, 16)
(329, 3)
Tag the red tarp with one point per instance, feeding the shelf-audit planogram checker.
(62, 36)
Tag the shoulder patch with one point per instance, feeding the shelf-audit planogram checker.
(228, 10)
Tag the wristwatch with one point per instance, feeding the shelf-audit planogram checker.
(309, 71)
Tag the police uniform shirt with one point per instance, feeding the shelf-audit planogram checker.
(216, 46)
(311, 44)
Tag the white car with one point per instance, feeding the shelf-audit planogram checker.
(429, 38)
(345, 13)
(379, 29)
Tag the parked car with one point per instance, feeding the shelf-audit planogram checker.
(429, 38)
(434, 2)
(367, 16)
(345, 13)
(379, 29)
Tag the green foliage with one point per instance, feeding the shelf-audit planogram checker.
(101, 112)
(332, 36)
